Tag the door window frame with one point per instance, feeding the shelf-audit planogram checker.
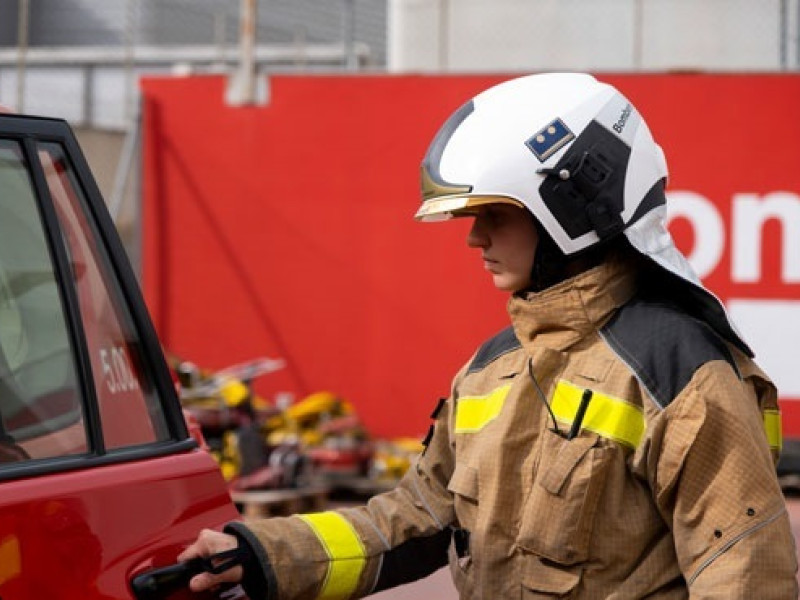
(29, 132)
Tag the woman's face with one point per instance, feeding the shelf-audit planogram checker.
(507, 237)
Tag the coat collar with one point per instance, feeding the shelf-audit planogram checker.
(563, 314)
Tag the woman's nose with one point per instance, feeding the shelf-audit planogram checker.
(477, 238)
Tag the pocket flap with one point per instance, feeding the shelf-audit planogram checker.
(464, 482)
(540, 577)
(568, 455)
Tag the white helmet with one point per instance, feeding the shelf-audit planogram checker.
(576, 154)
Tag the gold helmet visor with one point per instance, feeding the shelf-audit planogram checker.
(442, 201)
(447, 207)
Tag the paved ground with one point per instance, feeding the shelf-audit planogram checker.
(793, 504)
(434, 587)
(439, 587)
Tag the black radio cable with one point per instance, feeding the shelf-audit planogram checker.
(543, 398)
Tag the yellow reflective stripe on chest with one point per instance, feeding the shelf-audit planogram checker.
(473, 413)
(345, 551)
(772, 425)
(607, 416)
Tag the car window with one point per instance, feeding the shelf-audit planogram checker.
(130, 409)
(41, 411)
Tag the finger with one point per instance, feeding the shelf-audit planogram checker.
(205, 581)
(202, 582)
(208, 542)
(192, 551)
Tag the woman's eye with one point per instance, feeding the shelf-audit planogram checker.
(494, 218)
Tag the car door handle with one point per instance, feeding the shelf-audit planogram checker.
(159, 583)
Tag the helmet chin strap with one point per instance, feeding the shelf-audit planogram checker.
(551, 266)
(549, 263)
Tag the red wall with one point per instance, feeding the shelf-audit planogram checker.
(286, 230)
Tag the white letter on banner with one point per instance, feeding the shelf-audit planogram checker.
(770, 327)
(750, 212)
(709, 230)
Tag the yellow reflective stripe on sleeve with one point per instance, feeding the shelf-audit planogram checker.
(345, 551)
(473, 413)
(772, 425)
(607, 416)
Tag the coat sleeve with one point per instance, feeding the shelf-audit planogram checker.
(717, 487)
(397, 537)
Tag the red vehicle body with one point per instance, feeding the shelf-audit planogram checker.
(100, 478)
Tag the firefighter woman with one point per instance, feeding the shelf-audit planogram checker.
(615, 441)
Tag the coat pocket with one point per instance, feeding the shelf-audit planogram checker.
(542, 581)
(463, 485)
(559, 514)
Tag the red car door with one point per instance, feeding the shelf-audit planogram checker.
(99, 478)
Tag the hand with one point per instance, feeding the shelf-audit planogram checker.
(211, 542)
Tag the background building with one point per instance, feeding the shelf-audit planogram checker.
(80, 58)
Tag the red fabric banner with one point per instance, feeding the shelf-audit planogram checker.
(286, 230)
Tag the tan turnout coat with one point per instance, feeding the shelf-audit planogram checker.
(666, 490)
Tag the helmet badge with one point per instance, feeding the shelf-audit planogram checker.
(549, 139)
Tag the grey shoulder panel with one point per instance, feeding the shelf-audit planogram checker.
(501, 343)
(663, 345)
